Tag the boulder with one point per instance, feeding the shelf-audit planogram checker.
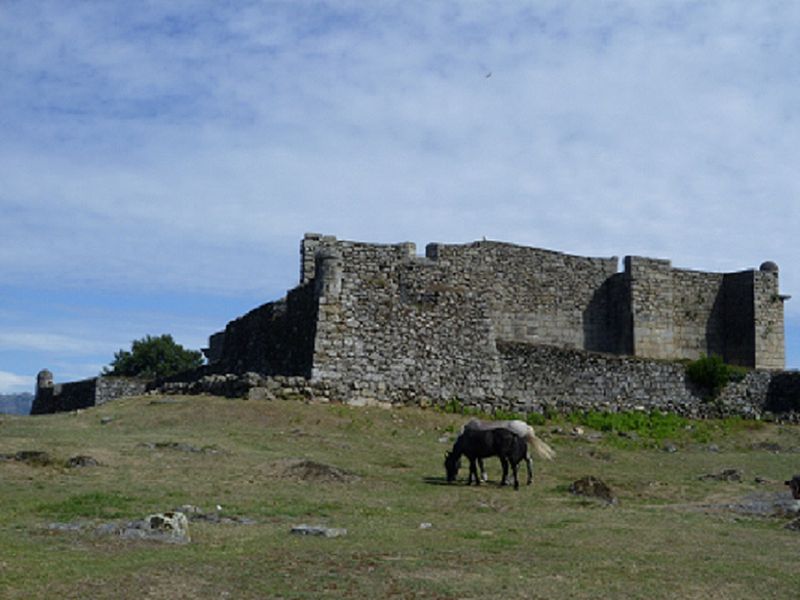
(319, 530)
(170, 527)
(81, 460)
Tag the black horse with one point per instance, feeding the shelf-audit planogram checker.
(477, 443)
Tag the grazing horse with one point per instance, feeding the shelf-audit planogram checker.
(481, 443)
(521, 429)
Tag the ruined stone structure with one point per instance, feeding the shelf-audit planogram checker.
(493, 325)
(478, 321)
(64, 397)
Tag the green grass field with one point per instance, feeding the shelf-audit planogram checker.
(669, 536)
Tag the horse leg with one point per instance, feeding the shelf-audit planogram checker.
(514, 469)
(473, 472)
(529, 463)
(504, 462)
(484, 475)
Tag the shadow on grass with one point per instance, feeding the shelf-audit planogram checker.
(436, 481)
(462, 483)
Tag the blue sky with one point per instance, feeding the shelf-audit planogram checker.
(160, 161)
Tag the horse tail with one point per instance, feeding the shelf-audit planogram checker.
(542, 449)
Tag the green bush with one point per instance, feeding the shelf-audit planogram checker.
(712, 374)
(153, 357)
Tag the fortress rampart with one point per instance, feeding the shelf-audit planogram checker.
(380, 321)
(63, 397)
(494, 325)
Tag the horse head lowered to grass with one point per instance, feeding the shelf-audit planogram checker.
(522, 430)
(477, 444)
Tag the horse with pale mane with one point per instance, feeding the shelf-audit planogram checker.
(519, 428)
(476, 442)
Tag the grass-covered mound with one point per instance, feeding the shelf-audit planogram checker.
(258, 469)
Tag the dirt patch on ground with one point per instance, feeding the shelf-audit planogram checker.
(309, 470)
(35, 458)
(592, 487)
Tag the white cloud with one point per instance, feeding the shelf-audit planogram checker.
(11, 383)
(189, 146)
(49, 342)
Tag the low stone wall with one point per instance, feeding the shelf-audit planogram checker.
(74, 395)
(544, 378)
(111, 388)
(535, 378)
(783, 392)
(251, 386)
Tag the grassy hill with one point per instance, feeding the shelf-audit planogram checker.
(378, 473)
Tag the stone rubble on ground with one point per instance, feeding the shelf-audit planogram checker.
(319, 530)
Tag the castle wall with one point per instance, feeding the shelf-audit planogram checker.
(739, 311)
(542, 378)
(699, 314)
(392, 323)
(63, 397)
(74, 395)
(652, 315)
(275, 338)
(377, 320)
(768, 322)
(391, 320)
(111, 388)
(534, 295)
(684, 314)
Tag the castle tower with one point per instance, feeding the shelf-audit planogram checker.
(45, 390)
(770, 352)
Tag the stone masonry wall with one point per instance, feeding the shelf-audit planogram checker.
(389, 325)
(769, 333)
(651, 290)
(739, 311)
(274, 339)
(697, 315)
(74, 395)
(378, 321)
(677, 313)
(541, 378)
(548, 379)
(534, 295)
(389, 320)
(111, 388)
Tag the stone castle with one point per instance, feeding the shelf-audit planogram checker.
(464, 321)
(492, 325)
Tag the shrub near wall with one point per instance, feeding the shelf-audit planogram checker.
(710, 373)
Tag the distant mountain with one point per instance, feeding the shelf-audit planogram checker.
(16, 404)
